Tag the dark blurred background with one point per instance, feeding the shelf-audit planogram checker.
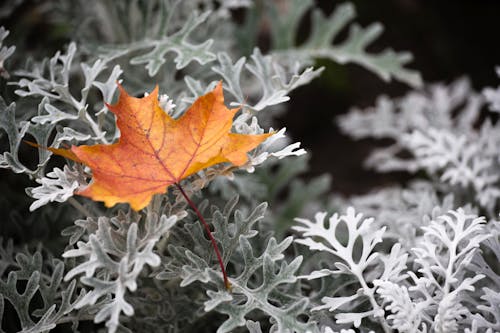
(448, 39)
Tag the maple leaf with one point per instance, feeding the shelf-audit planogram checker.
(155, 150)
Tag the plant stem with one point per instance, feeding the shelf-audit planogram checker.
(79, 207)
(369, 293)
(212, 239)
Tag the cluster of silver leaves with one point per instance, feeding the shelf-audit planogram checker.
(42, 276)
(446, 220)
(407, 266)
(443, 130)
(442, 293)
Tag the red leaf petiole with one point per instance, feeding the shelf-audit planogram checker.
(212, 239)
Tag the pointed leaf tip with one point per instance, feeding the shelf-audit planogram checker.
(67, 153)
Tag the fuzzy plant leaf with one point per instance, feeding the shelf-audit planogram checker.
(15, 132)
(274, 273)
(458, 161)
(492, 95)
(437, 298)
(446, 134)
(156, 151)
(455, 106)
(328, 240)
(404, 315)
(58, 185)
(284, 26)
(115, 254)
(259, 288)
(275, 79)
(352, 239)
(405, 210)
(52, 80)
(42, 278)
(486, 316)
(178, 43)
(188, 245)
(5, 52)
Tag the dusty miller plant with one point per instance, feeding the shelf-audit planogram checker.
(415, 259)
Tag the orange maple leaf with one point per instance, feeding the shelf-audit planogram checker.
(155, 151)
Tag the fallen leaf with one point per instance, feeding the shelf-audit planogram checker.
(155, 151)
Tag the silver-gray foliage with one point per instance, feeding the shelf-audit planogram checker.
(5, 52)
(113, 258)
(388, 64)
(261, 286)
(42, 276)
(450, 135)
(406, 265)
(438, 127)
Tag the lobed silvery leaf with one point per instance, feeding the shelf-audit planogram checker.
(405, 315)
(404, 210)
(271, 80)
(487, 314)
(51, 81)
(357, 227)
(260, 282)
(192, 261)
(459, 234)
(114, 257)
(394, 264)
(490, 317)
(58, 185)
(437, 296)
(5, 53)
(15, 132)
(432, 107)
(271, 148)
(275, 79)
(45, 300)
(54, 85)
(350, 238)
(437, 128)
(53, 116)
(492, 95)
(275, 91)
(257, 297)
(460, 161)
(69, 134)
(178, 43)
(387, 65)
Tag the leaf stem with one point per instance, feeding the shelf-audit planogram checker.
(212, 239)
(79, 206)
